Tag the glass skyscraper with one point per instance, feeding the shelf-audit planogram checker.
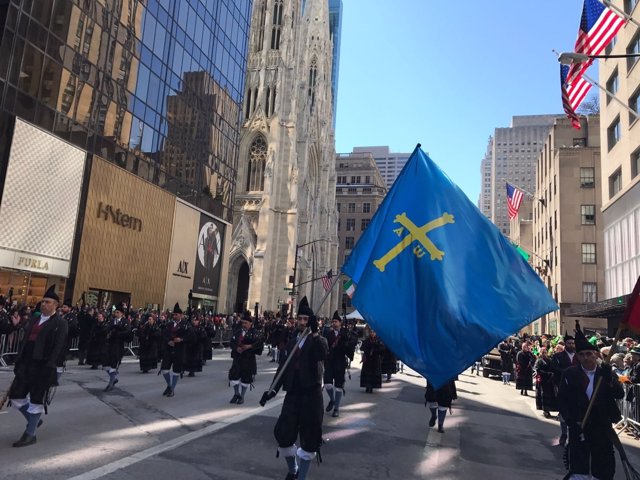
(153, 86)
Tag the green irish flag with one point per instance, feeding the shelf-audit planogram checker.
(349, 288)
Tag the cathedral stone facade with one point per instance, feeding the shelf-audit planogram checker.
(285, 189)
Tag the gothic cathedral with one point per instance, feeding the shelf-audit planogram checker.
(286, 185)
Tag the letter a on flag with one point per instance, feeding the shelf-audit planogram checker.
(436, 279)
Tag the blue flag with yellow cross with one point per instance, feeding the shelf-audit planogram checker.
(437, 281)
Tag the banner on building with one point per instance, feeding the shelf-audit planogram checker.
(206, 279)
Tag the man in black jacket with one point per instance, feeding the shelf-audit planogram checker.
(246, 343)
(35, 368)
(590, 446)
(341, 345)
(559, 363)
(302, 410)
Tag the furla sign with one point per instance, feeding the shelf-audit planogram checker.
(108, 212)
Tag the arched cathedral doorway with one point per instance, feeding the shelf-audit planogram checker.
(242, 291)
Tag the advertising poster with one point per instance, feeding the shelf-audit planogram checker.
(208, 265)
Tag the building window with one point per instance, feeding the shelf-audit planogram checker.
(589, 292)
(351, 224)
(615, 183)
(364, 224)
(367, 179)
(613, 133)
(257, 160)
(635, 163)
(633, 49)
(339, 223)
(612, 85)
(313, 73)
(276, 28)
(352, 208)
(366, 189)
(587, 177)
(588, 214)
(348, 243)
(588, 253)
(634, 105)
(338, 206)
(629, 5)
(262, 16)
(366, 208)
(352, 190)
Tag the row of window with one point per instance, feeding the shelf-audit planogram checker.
(615, 179)
(355, 190)
(351, 207)
(351, 224)
(355, 179)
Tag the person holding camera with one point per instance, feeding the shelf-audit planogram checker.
(303, 409)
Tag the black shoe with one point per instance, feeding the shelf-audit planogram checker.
(171, 393)
(335, 413)
(166, 391)
(440, 430)
(291, 476)
(432, 422)
(25, 440)
(191, 374)
(546, 415)
(240, 401)
(234, 399)
(329, 406)
(145, 371)
(108, 388)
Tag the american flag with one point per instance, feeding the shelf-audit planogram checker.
(598, 26)
(326, 281)
(572, 95)
(514, 199)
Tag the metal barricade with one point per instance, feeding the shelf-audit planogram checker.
(9, 347)
(630, 409)
(222, 338)
(133, 346)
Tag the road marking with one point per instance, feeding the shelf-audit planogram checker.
(172, 444)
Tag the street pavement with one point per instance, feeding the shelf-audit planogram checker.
(134, 432)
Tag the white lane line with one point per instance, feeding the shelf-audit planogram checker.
(172, 444)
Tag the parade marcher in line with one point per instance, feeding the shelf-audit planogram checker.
(246, 343)
(97, 344)
(176, 333)
(341, 346)
(69, 316)
(590, 448)
(195, 349)
(545, 387)
(371, 372)
(85, 324)
(35, 367)
(149, 335)
(506, 358)
(389, 363)
(210, 330)
(119, 333)
(439, 401)
(524, 369)
(560, 362)
(302, 410)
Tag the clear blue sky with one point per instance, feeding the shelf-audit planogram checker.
(446, 74)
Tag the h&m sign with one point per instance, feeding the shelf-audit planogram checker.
(118, 217)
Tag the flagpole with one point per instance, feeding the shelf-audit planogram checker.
(622, 13)
(541, 200)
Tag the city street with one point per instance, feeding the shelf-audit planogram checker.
(136, 433)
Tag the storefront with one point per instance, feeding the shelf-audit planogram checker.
(38, 213)
(126, 238)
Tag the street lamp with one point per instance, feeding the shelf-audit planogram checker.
(567, 58)
(294, 293)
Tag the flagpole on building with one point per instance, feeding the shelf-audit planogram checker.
(622, 13)
(567, 58)
(541, 200)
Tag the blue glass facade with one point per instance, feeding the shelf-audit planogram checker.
(154, 86)
(335, 29)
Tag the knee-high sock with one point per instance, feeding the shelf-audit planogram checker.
(243, 389)
(434, 412)
(441, 416)
(32, 423)
(174, 380)
(303, 469)
(167, 378)
(23, 410)
(236, 389)
(338, 396)
(329, 388)
(289, 454)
